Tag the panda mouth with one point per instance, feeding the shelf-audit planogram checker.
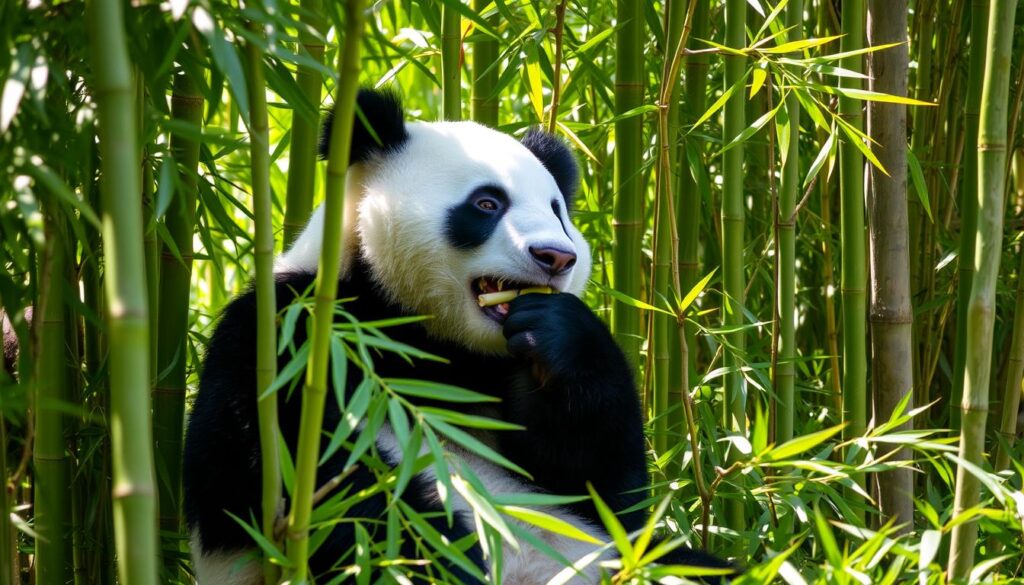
(486, 285)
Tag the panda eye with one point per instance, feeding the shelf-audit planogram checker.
(487, 204)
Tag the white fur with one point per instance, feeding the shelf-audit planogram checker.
(225, 568)
(402, 201)
(527, 565)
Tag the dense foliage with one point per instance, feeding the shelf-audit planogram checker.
(817, 366)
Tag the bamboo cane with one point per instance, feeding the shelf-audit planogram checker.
(968, 201)
(733, 220)
(786, 291)
(981, 309)
(302, 153)
(891, 312)
(484, 101)
(266, 302)
(315, 390)
(127, 312)
(52, 500)
(853, 277)
(175, 288)
(451, 54)
(1014, 373)
(627, 223)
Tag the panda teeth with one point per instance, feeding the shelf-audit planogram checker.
(501, 284)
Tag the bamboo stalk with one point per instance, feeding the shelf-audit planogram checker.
(981, 310)
(8, 576)
(1014, 371)
(891, 313)
(175, 287)
(733, 220)
(786, 219)
(851, 195)
(52, 474)
(688, 216)
(134, 494)
(302, 153)
(451, 54)
(266, 301)
(968, 201)
(628, 221)
(556, 84)
(483, 104)
(315, 390)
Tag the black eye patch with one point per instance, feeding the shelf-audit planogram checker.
(472, 222)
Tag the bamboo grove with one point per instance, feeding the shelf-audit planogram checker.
(807, 219)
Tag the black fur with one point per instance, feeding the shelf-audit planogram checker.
(557, 159)
(467, 226)
(379, 110)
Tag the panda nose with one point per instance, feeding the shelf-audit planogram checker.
(553, 260)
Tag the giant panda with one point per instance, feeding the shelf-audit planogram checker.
(437, 214)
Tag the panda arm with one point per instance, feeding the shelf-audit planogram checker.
(577, 399)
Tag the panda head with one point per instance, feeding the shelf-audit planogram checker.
(441, 212)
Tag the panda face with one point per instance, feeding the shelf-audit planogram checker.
(460, 210)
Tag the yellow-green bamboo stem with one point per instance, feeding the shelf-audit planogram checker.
(314, 392)
(266, 300)
(1014, 371)
(175, 285)
(484, 101)
(968, 201)
(786, 286)
(8, 576)
(134, 493)
(556, 84)
(733, 219)
(52, 499)
(891, 312)
(689, 209)
(853, 278)
(451, 54)
(627, 223)
(981, 309)
(302, 153)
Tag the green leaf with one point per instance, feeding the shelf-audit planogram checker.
(720, 101)
(800, 444)
(549, 523)
(752, 129)
(759, 77)
(436, 391)
(917, 178)
(696, 291)
(614, 528)
(628, 300)
(799, 45)
(265, 545)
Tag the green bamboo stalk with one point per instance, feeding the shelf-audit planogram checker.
(266, 301)
(52, 500)
(627, 223)
(891, 311)
(314, 393)
(302, 153)
(556, 84)
(981, 310)
(175, 282)
(8, 576)
(968, 201)
(689, 209)
(483, 104)
(134, 492)
(924, 10)
(786, 291)
(733, 219)
(1015, 369)
(451, 52)
(827, 241)
(853, 278)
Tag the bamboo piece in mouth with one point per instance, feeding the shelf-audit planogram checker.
(504, 296)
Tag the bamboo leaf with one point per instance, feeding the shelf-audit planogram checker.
(799, 45)
(920, 186)
(759, 77)
(717, 105)
(549, 523)
(752, 129)
(819, 161)
(436, 391)
(800, 444)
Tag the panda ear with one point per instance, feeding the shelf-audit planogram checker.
(557, 159)
(379, 126)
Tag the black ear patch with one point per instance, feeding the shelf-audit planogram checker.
(379, 110)
(557, 159)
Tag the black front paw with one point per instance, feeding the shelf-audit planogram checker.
(558, 333)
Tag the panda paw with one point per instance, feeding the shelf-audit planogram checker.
(560, 335)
